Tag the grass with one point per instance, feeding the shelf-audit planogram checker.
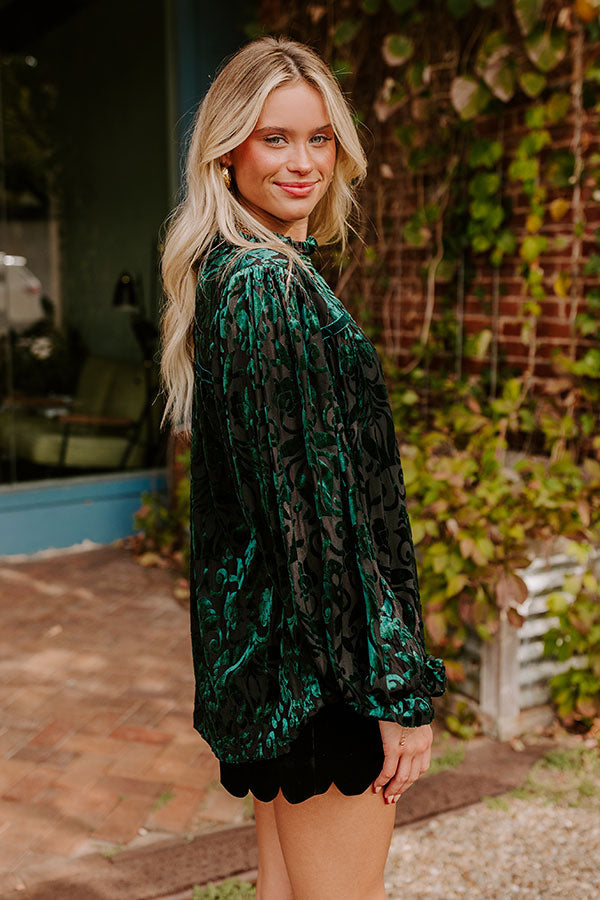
(163, 799)
(112, 851)
(232, 889)
(565, 776)
(446, 760)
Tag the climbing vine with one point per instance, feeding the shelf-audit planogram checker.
(458, 102)
(441, 90)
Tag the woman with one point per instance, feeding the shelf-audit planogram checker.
(313, 685)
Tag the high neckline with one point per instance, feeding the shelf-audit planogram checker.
(306, 247)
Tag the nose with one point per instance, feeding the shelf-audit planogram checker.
(300, 160)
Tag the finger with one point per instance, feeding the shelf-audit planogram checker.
(415, 771)
(400, 777)
(426, 760)
(390, 764)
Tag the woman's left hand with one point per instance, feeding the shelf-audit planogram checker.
(403, 763)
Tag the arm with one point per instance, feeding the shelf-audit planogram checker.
(300, 485)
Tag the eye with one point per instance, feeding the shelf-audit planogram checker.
(323, 137)
(272, 140)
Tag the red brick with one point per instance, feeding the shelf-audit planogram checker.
(11, 855)
(135, 760)
(90, 743)
(201, 773)
(84, 770)
(12, 770)
(148, 713)
(121, 784)
(84, 808)
(59, 759)
(32, 785)
(176, 814)
(123, 823)
(101, 723)
(53, 733)
(138, 733)
(62, 840)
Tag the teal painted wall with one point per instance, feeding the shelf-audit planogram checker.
(56, 514)
(109, 64)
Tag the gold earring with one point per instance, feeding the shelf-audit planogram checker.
(226, 177)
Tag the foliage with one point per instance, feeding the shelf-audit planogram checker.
(163, 532)
(479, 516)
(432, 106)
(232, 889)
(494, 473)
(577, 691)
(566, 776)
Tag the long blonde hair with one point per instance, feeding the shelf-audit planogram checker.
(226, 116)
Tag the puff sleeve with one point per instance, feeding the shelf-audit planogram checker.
(348, 610)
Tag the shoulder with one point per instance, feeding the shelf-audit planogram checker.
(228, 267)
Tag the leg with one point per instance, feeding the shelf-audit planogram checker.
(273, 882)
(335, 847)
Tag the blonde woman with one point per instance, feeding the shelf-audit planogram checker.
(313, 684)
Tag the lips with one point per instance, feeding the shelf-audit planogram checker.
(296, 188)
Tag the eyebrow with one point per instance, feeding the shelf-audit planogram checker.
(286, 130)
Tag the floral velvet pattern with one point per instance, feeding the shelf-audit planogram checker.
(304, 585)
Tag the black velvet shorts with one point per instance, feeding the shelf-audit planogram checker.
(336, 746)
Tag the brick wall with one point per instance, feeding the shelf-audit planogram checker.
(400, 308)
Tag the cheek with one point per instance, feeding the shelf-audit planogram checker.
(330, 157)
(252, 163)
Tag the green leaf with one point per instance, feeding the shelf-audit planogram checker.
(557, 106)
(484, 185)
(402, 6)
(535, 117)
(397, 48)
(527, 14)
(506, 241)
(455, 584)
(370, 6)
(415, 74)
(346, 31)
(459, 8)
(546, 46)
(592, 266)
(523, 169)
(533, 246)
(484, 153)
(560, 168)
(469, 97)
(532, 83)
(495, 66)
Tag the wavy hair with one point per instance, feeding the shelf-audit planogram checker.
(226, 116)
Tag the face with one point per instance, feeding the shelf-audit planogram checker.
(285, 166)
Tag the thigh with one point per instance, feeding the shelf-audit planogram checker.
(273, 880)
(335, 846)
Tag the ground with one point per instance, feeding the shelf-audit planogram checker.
(108, 793)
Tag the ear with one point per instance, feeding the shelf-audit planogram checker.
(225, 160)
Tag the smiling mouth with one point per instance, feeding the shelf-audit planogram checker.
(297, 188)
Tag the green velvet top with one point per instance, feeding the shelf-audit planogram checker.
(303, 577)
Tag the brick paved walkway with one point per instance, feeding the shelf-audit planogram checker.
(97, 749)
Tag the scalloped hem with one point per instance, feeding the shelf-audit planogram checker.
(336, 746)
(268, 793)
